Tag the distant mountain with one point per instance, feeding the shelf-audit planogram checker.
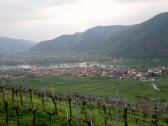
(145, 40)
(86, 41)
(11, 46)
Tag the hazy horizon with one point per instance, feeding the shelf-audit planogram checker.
(42, 20)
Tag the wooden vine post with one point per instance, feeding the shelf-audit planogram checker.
(84, 103)
(2, 91)
(77, 110)
(18, 114)
(50, 114)
(26, 89)
(144, 113)
(17, 90)
(34, 110)
(20, 94)
(70, 106)
(91, 120)
(155, 117)
(125, 113)
(105, 114)
(158, 107)
(116, 103)
(156, 114)
(68, 118)
(6, 109)
(30, 95)
(13, 94)
(53, 98)
(43, 99)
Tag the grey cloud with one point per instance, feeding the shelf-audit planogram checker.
(13, 10)
(130, 1)
(34, 3)
(31, 19)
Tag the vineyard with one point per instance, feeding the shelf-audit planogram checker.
(22, 105)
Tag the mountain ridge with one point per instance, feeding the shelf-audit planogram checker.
(13, 45)
(148, 39)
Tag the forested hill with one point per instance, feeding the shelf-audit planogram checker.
(11, 46)
(148, 39)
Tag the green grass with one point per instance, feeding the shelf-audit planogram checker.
(85, 86)
(42, 119)
(103, 86)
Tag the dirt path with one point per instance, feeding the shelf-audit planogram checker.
(155, 87)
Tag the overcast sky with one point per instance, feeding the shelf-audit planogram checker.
(46, 19)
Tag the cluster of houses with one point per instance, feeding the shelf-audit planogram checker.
(75, 71)
(112, 72)
(6, 77)
(147, 74)
(151, 73)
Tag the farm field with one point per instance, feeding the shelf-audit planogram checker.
(43, 108)
(91, 102)
(103, 86)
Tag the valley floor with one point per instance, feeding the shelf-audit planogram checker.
(104, 86)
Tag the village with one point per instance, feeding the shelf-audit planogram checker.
(92, 71)
(102, 71)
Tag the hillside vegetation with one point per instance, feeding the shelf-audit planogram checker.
(145, 40)
(11, 46)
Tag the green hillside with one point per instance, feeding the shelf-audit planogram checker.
(11, 46)
(145, 40)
